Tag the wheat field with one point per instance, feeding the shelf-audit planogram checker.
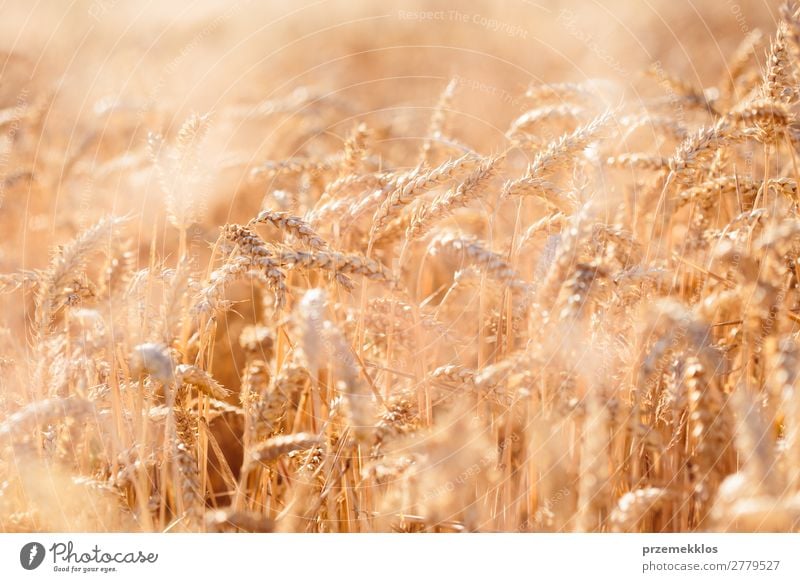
(406, 267)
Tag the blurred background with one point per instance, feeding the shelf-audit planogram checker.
(85, 82)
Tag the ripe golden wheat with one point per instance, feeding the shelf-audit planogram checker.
(592, 326)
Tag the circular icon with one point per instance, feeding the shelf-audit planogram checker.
(31, 555)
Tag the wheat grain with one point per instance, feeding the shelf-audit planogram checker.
(201, 380)
(282, 445)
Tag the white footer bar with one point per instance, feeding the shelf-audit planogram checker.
(366, 557)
